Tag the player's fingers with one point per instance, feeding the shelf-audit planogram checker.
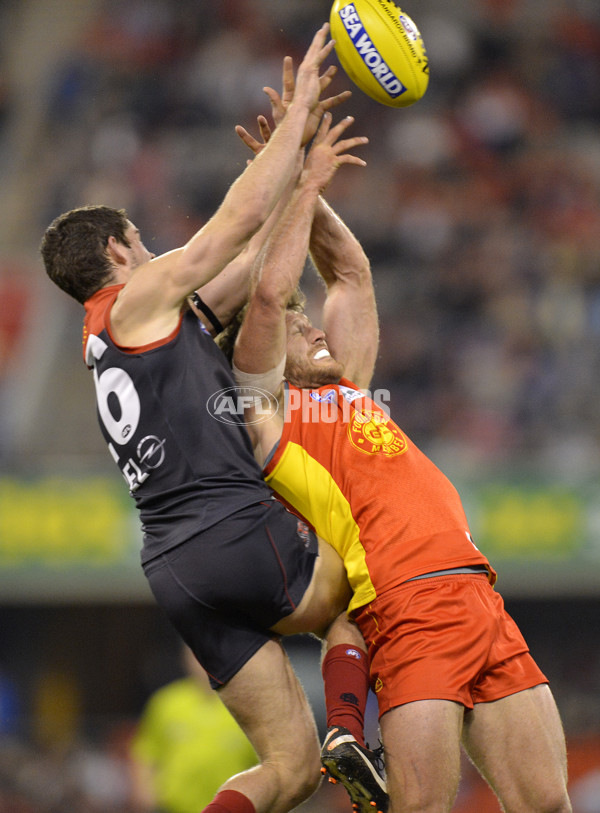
(337, 131)
(323, 128)
(288, 79)
(349, 144)
(265, 129)
(350, 159)
(274, 97)
(334, 101)
(243, 133)
(319, 49)
(248, 139)
(277, 105)
(318, 42)
(326, 50)
(326, 78)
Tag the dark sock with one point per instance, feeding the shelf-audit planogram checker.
(346, 680)
(230, 801)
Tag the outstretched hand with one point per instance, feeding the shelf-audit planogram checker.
(328, 152)
(280, 102)
(326, 137)
(252, 143)
(308, 85)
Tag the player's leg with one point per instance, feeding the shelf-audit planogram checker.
(326, 597)
(518, 745)
(346, 680)
(422, 755)
(268, 702)
(424, 646)
(216, 591)
(345, 670)
(344, 755)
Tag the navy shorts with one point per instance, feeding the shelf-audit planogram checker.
(225, 588)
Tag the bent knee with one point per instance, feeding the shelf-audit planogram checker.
(549, 801)
(307, 783)
(555, 803)
(297, 778)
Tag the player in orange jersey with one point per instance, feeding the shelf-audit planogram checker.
(449, 666)
(228, 564)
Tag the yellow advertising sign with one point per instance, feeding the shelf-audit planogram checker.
(530, 522)
(61, 523)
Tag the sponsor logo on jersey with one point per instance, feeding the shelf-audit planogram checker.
(374, 433)
(151, 451)
(150, 455)
(350, 394)
(324, 397)
(325, 406)
(354, 653)
(369, 53)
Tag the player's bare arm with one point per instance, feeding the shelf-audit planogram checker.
(149, 305)
(261, 343)
(350, 312)
(228, 292)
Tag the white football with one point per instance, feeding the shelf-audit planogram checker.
(381, 50)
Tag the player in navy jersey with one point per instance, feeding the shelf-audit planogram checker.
(229, 564)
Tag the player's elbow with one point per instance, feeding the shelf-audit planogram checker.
(361, 270)
(272, 296)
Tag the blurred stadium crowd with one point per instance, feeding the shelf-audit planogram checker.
(479, 210)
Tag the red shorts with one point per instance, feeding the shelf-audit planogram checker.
(444, 637)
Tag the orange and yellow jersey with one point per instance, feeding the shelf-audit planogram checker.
(367, 490)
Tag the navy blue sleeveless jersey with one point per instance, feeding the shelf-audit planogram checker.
(164, 413)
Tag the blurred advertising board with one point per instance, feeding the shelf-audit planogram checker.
(77, 539)
(64, 539)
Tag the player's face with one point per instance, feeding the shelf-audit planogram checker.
(139, 254)
(308, 363)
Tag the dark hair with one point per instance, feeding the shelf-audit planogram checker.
(226, 339)
(74, 248)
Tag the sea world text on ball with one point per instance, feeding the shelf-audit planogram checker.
(368, 53)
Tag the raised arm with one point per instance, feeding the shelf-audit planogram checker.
(227, 293)
(349, 314)
(261, 343)
(260, 349)
(155, 293)
(350, 311)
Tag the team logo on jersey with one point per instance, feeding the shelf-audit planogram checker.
(303, 533)
(374, 433)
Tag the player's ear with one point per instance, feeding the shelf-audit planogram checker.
(117, 252)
